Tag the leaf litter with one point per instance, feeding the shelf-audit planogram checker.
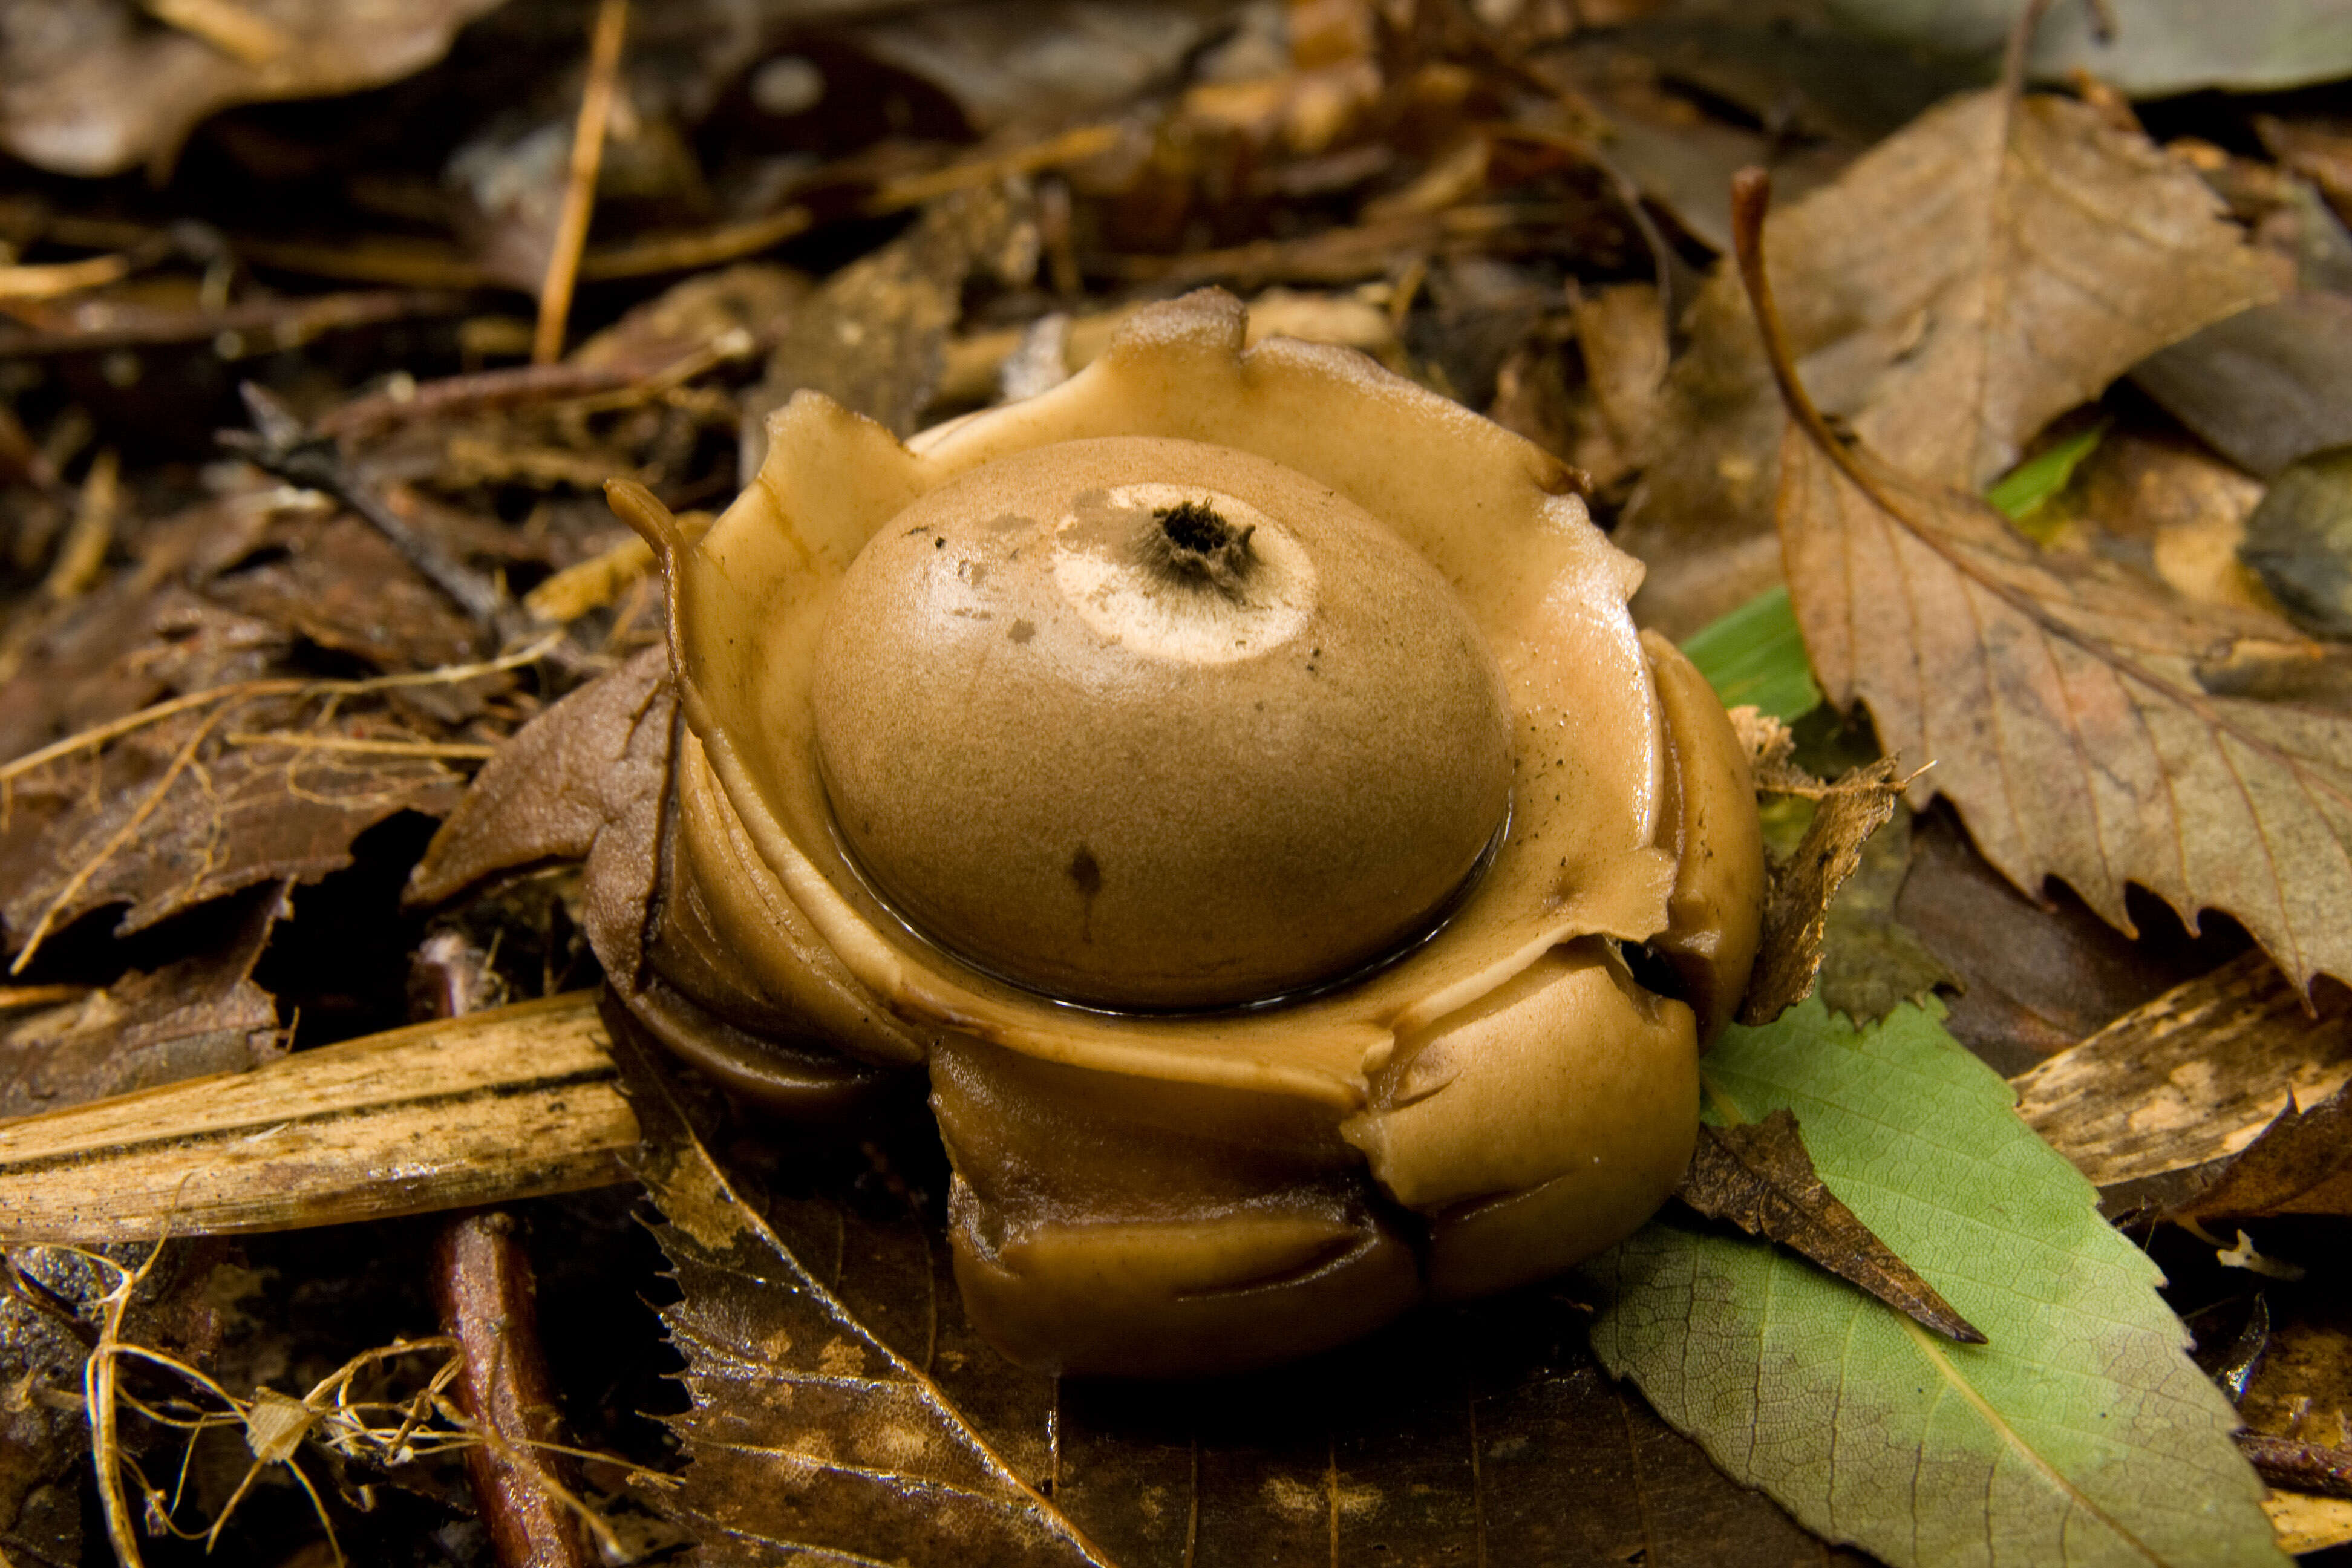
(1351, 174)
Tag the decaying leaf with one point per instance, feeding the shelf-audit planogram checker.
(1483, 1424)
(2300, 539)
(809, 1435)
(2302, 1163)
(2188, 1080)
(200, 1016)
(2036, 976)
(1759, 1178)
(2067, 701)
(65, 87)
(1870, 962)
(206, 802)
(1797, 906)
(1962, 283)
(2081, 1434)
(873, 338)
(2265, 386)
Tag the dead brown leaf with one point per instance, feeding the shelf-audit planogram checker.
(207, 803)
(2061, 698)
(1961, 284)
(2265, 386)
(1759, 1176)
(2189, 1079)
(809, 1435)
(1489, 1423)
(1803, 887)
(197, 1017)
(873, 336)
(2302, 1163)
(65, 84)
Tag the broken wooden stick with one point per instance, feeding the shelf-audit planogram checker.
(509, 1103)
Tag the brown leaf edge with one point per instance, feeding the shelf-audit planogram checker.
(1797, 903)
(2268, 778)
(1759, 1176)
(829, 1378)
(2302, 1163)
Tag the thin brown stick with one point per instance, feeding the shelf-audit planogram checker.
(580, 188)
(482, 1283)
(47, 279)
(458, 750)
(115, 728)
(2298, 1466)
(85, 326)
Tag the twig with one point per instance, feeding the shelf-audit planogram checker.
(454, 750)
(2297, 1466)
(482, 1283)
(47, 279)
(580, 188)
(482, 390)
(17, 998)
(284, 686)
(228, 27)
(281, 444)
(88, 325)
(83, 550)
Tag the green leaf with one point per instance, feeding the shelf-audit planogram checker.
(1756, 656)
(2025, 489)
(2080, 1434)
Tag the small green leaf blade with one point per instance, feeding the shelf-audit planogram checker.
(1755, 656)
(2026, 489)
(2082, 1435)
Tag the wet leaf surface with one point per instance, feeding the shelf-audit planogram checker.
(2047, 1443)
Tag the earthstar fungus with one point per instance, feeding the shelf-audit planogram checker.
(1237, 777)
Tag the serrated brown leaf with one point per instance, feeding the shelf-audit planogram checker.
(2069, 705)
(2062, 699)
(1910, 319)
(204, 803)
(1759, 1176)
(1803, 887)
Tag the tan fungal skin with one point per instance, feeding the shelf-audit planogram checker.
(1244, 1145)
(1117, 768)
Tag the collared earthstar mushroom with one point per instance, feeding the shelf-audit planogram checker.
(1237, 777)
